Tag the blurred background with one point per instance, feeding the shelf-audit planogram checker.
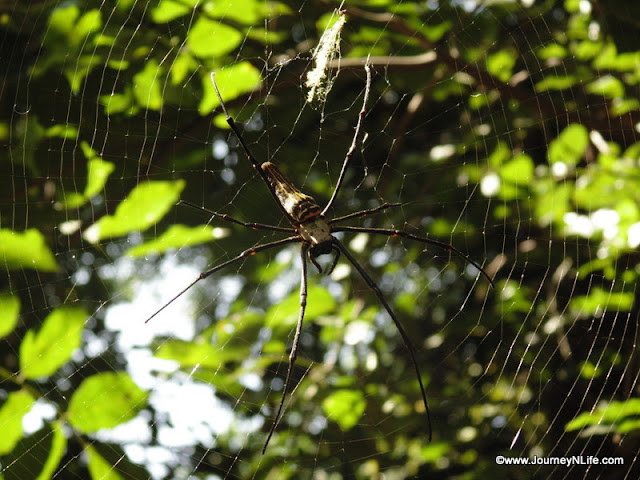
(506, 129)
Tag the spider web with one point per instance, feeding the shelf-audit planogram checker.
(507, 129)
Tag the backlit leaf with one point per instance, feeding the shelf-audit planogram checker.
(570, 145)
(147, 85)
(620, 414)
(208, 38)
(14, 408)
(58, 446)
(90, 22)
(519, 170)
(99, 468)
(25, 250)
(600, 300)
(284, 315)
(105, 400)
(144, 206)
(98, 172)
(9, 313)
(345, 407)
(42, 353)
(190, 354)
(178, 236)
(232, 81)
(500, 64)
(167, 10)
(607, 86)
(556, 82)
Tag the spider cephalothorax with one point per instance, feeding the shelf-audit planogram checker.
(310, 228)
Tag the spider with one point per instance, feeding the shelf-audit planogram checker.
(312, 229)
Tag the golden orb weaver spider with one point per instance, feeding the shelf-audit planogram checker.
(314, 232)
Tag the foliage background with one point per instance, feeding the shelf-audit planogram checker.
(508, 129)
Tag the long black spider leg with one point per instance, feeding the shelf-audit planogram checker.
(405, 338)
(336, 257)
(410, 236)
(246, 253)
(227, 218)
(364, 213)
(296, 341)
(245, 147)
(354, 142)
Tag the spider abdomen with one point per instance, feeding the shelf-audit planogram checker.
(301, 207)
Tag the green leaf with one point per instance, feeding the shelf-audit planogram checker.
(620, 106)
(115, 64)
(183, 66)
(189, 354)
(345, 407)
(144, 206)
(587, 49)
(516, 175)
(607, 86)
(30, 132)
(62, 20)
(73, 200)
(519, 170)
(246, 12)
(43, 353)
(168, 10)
(500, 64)
(589, 370)
(624, 415)
(58, 446)
(552, 50)
(609, 59)
(179, 236)
(553, 201)
(600, 300)
(147, 85)
(89, 23)
(232, 81)
(222, 342)
(500, 155)
(267, 36)
(98, 172)
(208, 38)
(105, 400)
(570, 145)
(16, 406)
(478, 100)
(120, 103)
(556, 82)
(25, 250)
(99, 468)
(9, 313)
(284, 315)
(62, 131)
(82, 67)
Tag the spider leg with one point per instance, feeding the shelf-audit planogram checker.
(405, 338)
(410, 236)
(364, 213)
(315, 263)
(334, 262)
(354, 142)
(227, 218)
(256, 165)
(296, 341)
(336, 257)
(246, 253)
